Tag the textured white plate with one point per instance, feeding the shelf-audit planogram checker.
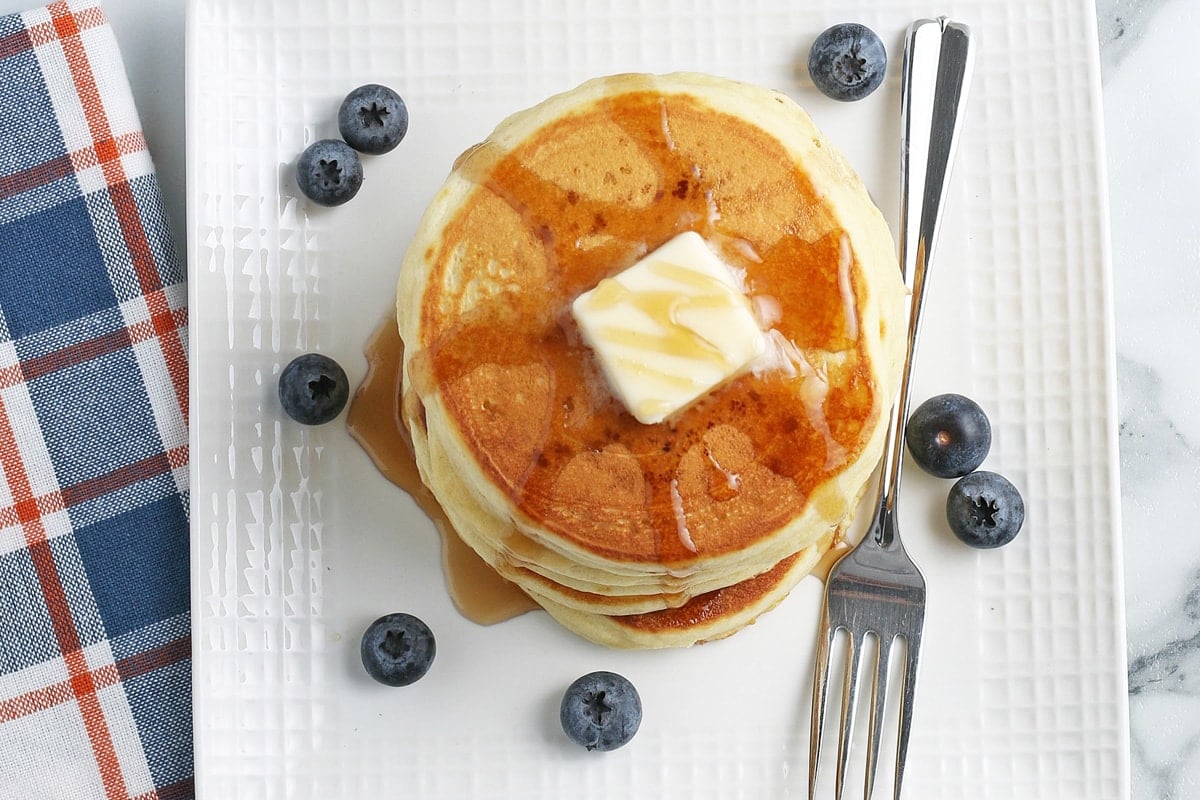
(298, 543)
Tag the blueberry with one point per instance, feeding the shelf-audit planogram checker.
(948, 435)
(313, 389)
(373, 119)
(601, 711)
(847, 61)
(397, 649)
(985, 510)
(329, 172)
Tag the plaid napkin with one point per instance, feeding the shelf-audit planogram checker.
(95, 697)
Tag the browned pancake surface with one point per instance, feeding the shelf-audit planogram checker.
(583, 200)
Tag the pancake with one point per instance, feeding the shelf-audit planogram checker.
(704, 618)
(614, 526)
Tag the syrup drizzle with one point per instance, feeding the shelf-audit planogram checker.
(477, 590)
(825, 563)
(801, 272)
(790, 444)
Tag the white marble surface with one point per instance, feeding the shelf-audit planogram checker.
(1152, 110)
(1152, 117)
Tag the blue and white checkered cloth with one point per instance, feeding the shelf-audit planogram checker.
(95, 697)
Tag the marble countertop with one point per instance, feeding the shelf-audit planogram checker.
(1154, 165)
(1153, 131)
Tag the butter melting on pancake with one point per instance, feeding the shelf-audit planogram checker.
(515, 428)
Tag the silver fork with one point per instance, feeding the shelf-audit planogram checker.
(876, 589)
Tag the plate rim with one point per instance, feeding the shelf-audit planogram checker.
(1119, 657)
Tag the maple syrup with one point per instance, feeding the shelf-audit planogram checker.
(802, 439)
(478, 591)
(825, 563)
(815, 307)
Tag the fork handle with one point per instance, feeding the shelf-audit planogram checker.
(939, 57)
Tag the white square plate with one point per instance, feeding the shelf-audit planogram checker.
(298, 543)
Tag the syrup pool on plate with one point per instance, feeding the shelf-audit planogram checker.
(478, 592)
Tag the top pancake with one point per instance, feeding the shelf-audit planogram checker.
(498, 382)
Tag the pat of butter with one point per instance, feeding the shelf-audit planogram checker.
(670, 328)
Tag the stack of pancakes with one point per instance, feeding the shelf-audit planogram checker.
(659, 535)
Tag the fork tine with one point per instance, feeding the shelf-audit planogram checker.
(849, 697)
(911, 648)
(878, 699)
(820, 686)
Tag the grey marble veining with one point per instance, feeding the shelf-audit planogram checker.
(1174, 667)
(1122, 24)
(1149, 439)
(1153, 130)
